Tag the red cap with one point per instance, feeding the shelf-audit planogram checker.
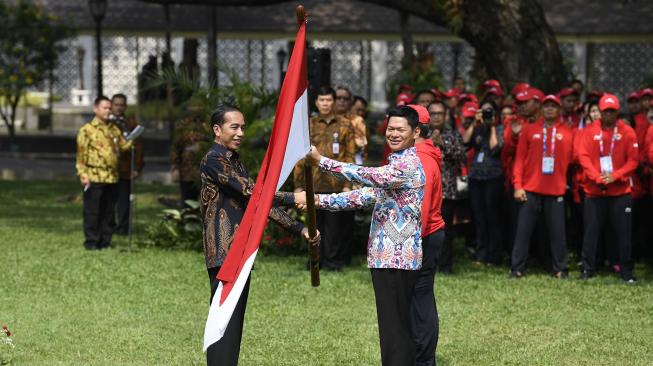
(567, 92)
(633, 96)
(530, 93)
(646, 92)
(519, 87)
(405, 88)
(403, 99)
(487, 84)
(608, 101)
(551, 98)
(453, 92)
(422, 113)
(469, 109)
(437, 93)
(495, 90)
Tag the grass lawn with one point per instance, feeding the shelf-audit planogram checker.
(68, 306)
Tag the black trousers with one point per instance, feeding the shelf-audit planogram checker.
(486, 197)
(423, 309)
(336, 231)
(574, 222)
(393, 291)
(642, 210)
(445, 253)
(99, 203)
(189, 191)
(552, 208)
(225, 352)
(618, 210)
(123, 206)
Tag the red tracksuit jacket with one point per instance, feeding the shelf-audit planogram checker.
(624, 158)
(431, 159)
(527, 170)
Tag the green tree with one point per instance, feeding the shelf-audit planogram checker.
(28, 50)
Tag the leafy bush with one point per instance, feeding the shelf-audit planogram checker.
(177, 229)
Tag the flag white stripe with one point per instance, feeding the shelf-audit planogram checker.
(219, 315)
(299, 141)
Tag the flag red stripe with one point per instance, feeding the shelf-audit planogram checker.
(250, 230)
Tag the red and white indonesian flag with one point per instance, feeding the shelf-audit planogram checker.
(289, 143)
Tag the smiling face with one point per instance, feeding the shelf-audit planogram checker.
(230, 133)
(594, 113)
(399, 135)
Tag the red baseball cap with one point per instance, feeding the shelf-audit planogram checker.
(519, 87)
(405, 88)
(403, 99)
(495, 90)
(551, 98)
(633, 96)
(487, 84)
(530, 93)
(567, 92)
(469, 109)
(645, 92)
(608, 101)
(437, 93)
(422, 113)
(453, 92)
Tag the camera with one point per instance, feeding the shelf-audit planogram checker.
(488, 116)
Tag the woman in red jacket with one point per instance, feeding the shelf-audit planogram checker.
(608, 153)
(543, 155)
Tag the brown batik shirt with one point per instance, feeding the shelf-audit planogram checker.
(226, 188)
(324, 134)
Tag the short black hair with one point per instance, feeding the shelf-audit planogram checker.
(440, 102)
(119, 95)
(424, 130)
(99, 100)
(217, 117)
(358, 98)
(326, 90)
(406, 112)
(341, 87)
(576, 81)
(424, 91)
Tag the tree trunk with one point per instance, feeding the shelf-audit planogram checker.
(512, 39)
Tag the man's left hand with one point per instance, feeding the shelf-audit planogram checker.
(607, 178)
(314, 156)
(313, 241)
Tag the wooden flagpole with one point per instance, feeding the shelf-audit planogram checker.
(313, 250)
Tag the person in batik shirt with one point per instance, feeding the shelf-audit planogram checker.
(394, 251)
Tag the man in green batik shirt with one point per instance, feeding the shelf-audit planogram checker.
(99, 143)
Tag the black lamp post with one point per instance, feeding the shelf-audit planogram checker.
(281, 59)
(98, 11)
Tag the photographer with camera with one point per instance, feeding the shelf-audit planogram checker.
(485, 137)
(126, 125)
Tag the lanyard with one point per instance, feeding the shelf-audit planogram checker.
(614, 138)
(553, 141)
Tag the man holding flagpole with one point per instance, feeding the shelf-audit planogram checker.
(394, 249)
(225, 193)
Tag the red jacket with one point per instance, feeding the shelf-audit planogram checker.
(431, 159)
(527, 171)
(642, 179)
(624, 158)
(572, 119)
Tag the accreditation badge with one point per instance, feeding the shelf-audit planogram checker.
(335, 148)
(547, 165)
(480, 157)
(606, 164)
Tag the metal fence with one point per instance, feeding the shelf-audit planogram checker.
(616, 67)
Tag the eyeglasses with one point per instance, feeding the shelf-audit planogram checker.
(438, 114)
(340, 97)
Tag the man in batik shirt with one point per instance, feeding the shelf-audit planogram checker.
(394, 249)
(226, 188)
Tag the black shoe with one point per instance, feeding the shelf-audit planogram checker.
(104, 246)
(586, 275)
(561, 275)
(630, 280)
(91, 247)
(516, 274)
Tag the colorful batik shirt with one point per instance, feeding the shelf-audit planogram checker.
(98, 150)
(396, 190)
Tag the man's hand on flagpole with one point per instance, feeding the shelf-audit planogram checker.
(312, 241)
(313, 157)
(300, 200)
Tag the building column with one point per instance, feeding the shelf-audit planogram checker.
(379, 75)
